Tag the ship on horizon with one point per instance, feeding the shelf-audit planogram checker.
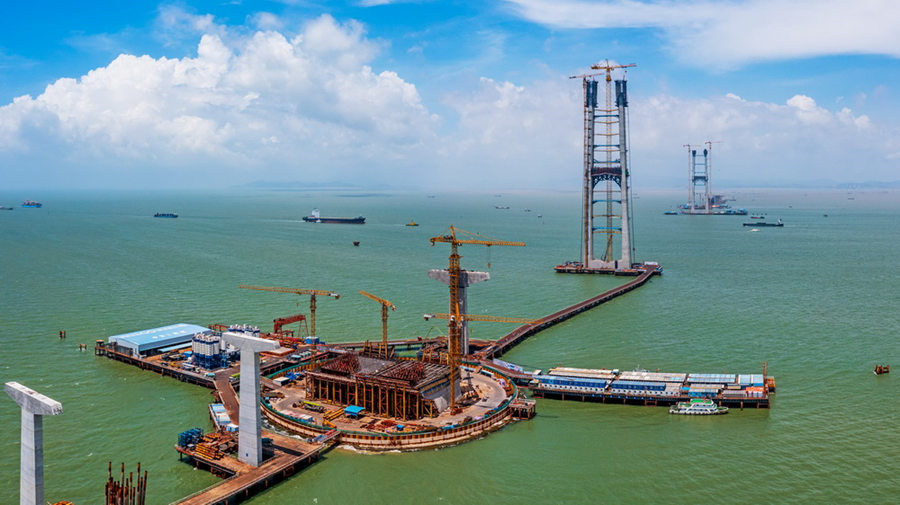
(315, 217)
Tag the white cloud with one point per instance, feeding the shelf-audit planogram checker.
(532, 136)
(244, 103)
(309, 107)
(730, 33)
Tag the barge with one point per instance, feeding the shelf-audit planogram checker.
(640, 387)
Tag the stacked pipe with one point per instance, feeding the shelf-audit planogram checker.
(126, 491)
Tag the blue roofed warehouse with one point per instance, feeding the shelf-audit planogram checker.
(151, 341)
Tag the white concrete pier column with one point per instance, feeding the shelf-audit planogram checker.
(31, 470)
(466, 278)
(250, 423)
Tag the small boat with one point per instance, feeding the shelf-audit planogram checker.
(757, 217)
(763, 223)
(412, 223)
(882, 369)
(501, 207)
(170, 215)
(356, 243)
(4, 207)
(316, 218)
(32, 204)
(698, 407)
(671, 212)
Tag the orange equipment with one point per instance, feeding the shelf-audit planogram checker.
(312, 298)
(281, 321)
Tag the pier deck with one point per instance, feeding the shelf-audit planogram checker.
(290, 455)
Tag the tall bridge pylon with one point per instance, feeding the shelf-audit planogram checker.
(699, 171)
(606, 186)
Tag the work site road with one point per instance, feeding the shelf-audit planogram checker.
(521, 333)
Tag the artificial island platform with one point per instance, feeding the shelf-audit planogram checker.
(345, 394)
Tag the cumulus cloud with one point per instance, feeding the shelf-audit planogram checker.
(245, 102)
(532, 136)
(762, 142)
(739, 31)
(308, 106)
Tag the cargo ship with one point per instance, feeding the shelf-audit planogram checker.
(170, 215)
(32, 204)
(316, 218)
(763, 223)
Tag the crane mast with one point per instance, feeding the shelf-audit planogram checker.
(385, 304)
(454, 340)
(297, 291)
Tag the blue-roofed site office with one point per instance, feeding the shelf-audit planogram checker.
(154, 340)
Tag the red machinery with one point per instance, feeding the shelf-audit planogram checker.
(282, 321)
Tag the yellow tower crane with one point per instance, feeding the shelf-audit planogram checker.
(454, 343)
(312, 299)
(384, 319)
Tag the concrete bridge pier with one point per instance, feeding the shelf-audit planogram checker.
(31, 471)
(466, 278)
(250, 431)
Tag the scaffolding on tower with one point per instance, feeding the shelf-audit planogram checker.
(606, 193)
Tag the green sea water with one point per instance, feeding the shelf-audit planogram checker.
(817, 299)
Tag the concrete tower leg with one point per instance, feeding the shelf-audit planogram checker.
(466, 278)
(31, 471)
(625, 184)
(250, 433)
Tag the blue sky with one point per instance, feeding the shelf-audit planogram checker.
(441, 93)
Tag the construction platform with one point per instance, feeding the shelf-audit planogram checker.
(157, 364)
(242, 480)
(644, 398)
(576, 267)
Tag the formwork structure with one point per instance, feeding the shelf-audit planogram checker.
(606, 194)
(393, 388)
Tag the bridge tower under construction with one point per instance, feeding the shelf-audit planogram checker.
(606, 198)
(699, 171)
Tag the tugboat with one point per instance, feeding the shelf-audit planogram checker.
(412, 223)
(314, 217)
(32, 204)
(698, 408)
(170, 215)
